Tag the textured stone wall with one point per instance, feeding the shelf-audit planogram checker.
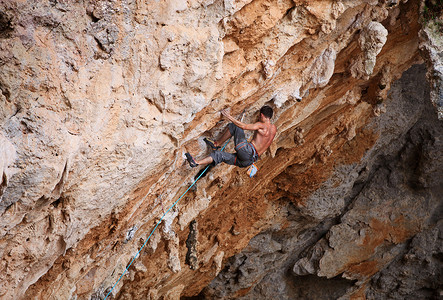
(100, 100)
(386, 241)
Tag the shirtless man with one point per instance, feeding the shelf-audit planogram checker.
(246, 153)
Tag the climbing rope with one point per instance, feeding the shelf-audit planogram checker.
(158, 223)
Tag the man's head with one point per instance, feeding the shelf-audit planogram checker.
(267, 111)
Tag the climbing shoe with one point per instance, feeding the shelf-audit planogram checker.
(190, 160)
(211, 144)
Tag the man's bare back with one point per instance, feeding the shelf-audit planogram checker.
(263, 137)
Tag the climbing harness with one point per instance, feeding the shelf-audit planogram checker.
(158, 223)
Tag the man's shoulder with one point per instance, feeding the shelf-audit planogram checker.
(274, 131)
(274, 127)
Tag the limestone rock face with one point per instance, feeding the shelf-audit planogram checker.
(100, 99)
(385, 240)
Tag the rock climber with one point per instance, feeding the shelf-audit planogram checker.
(246, 153)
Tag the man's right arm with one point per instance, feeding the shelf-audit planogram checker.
(255, 126)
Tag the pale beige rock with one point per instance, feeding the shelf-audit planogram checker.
(218, 259)
(174, 294)
(371, 41)
(7, 158)
(323, 67)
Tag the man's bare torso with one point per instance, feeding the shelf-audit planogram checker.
(263, 137)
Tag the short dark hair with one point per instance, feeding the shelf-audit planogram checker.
(267, 111)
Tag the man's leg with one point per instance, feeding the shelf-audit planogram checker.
(222, 156)
(205, 161)
(231, 130)
(225, 136)
(237, 133)
(216, 157)
(194, 163)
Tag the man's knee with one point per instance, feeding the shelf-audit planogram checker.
(215, 157)
(221, 156)
(232, 128)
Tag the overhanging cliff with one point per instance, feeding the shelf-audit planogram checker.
(100, 100)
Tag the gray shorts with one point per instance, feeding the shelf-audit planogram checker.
(245, 152)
